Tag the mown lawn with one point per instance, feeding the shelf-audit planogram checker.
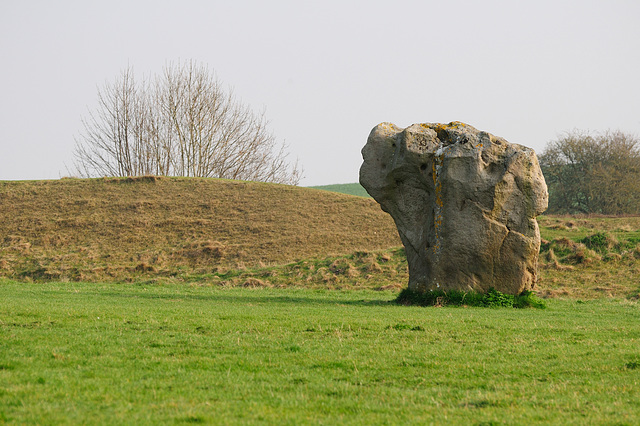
(135, 354)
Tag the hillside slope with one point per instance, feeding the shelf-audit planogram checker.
(103, 229)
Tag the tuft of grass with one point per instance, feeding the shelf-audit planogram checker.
(633, 365)
(491, 299)
(528, 299)
(601, 242)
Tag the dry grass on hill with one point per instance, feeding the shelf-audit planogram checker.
(231, 233)
(116, 229)
(589, 257)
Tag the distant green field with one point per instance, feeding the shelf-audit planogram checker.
(79, 353)
(345, 188)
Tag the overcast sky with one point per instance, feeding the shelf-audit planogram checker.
(326, 72)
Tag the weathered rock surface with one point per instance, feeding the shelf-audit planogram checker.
(464, 202)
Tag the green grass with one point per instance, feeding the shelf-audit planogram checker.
(577, 228)
(148, 354)
(490, 299)
(257, 303)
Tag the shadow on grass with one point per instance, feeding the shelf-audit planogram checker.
(491, 299)
(240, 298)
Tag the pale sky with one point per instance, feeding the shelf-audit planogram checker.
(326, 72)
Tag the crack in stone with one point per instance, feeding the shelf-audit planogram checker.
(437, 203)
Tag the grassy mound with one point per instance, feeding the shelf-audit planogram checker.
(589, 257)
(376, 270)
(136, 228)
(242, 234)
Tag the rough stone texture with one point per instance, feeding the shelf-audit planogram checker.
(464, 202)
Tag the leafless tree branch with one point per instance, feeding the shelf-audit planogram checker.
(180, 123)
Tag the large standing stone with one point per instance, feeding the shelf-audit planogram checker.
(464, 202)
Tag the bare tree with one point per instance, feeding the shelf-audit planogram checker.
(181, 123)
(593, 173)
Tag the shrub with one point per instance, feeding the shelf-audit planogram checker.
(492, 298)
(593, 173)
(600, 242)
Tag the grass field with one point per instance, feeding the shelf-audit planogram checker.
(136, 354)
(345, 188)
(146, 301)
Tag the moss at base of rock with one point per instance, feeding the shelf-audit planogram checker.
(490, 299)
